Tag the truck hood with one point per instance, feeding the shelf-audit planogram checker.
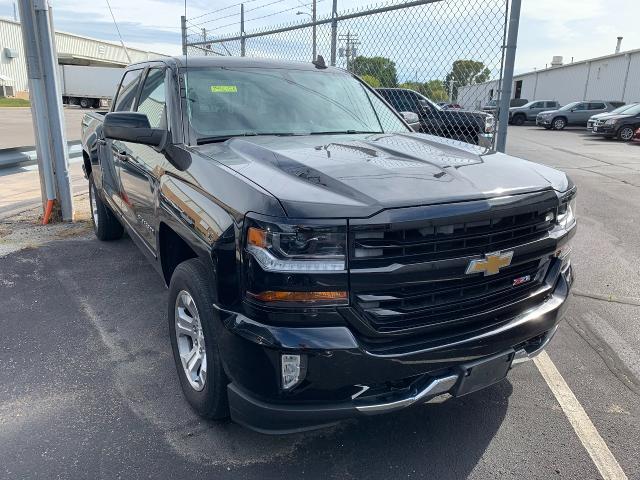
(359, 175)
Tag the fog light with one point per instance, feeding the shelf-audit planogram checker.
(293, 370)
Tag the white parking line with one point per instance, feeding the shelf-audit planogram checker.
(596, 447)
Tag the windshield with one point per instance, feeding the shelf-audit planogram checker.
(569, 106)
(224, 102)
(630, 110)
(622, 108)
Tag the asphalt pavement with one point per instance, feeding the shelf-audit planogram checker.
(16, 126)
(88, 386)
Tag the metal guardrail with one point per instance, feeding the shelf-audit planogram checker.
(23, 156)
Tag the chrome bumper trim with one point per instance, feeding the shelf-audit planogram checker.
(521, 356)
(437, 386)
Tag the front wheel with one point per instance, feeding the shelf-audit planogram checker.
(625, 134)
(518, 120)
(193, 340)
(105, 224)
(559, 123)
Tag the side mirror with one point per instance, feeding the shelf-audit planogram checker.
(132, 127)
(412, 119)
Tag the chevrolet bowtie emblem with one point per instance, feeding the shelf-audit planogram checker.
(491, 263)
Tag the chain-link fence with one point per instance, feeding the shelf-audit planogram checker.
(419, 54)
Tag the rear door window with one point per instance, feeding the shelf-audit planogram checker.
(127, 91)
(597, 106)
(551, 105)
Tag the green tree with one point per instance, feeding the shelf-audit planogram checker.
(380, 67)
(372, 81)
(465, 72)
(432, 89)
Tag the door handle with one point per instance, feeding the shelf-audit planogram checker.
(102, 141)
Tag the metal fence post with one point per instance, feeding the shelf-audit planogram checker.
(183, 28)
(507, 79)
(334, 31)
(46, 103)
(313, 33)
(242, 39)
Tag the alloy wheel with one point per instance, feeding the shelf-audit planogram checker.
(626, 134)
(190, 340)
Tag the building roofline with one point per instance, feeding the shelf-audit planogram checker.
(84, 37)
(566, 65)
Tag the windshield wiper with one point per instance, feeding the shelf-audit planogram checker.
(338, 132)
(223, 138)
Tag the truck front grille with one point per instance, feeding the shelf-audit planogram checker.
(412, 275)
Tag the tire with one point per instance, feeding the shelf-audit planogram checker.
(105, 224)
(625, 134)
(559, 123)
(205, 391)
(85, 103)
(518, 120)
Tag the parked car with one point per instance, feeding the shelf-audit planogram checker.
(592, 119)
(492, 105)
(323, 260)
(621, 125)
(468, 126)
(529, 111)
(448, 106)
(574, 113)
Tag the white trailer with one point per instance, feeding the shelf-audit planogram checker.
(88, 86)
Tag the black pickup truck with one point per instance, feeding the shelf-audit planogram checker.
(464, 125)
(323, 260)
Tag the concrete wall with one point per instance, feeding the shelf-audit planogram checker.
(614, 77)
(71, 49)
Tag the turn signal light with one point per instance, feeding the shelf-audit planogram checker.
(283, 296)
(257, 237)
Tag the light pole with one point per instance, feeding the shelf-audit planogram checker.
(313, 20)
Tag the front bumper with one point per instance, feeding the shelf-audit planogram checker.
(347, 377)
(605, 129)
(543, 121)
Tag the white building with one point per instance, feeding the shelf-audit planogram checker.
(612, 77)
(72, 50)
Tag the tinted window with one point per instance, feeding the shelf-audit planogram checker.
(551, 104)
(127, 92)
(152, 98)
(581, 106)
(273, 101)
(537, 105)
(597, 106)
(617, 104)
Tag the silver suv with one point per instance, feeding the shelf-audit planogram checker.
(575, 113)
(529, 111)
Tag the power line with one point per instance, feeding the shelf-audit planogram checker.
(223, 8)
(266, 16)
(118, 30)
(234, 14)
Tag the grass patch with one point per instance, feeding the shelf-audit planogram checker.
(14, 102)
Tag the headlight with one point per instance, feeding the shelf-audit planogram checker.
(567, 213)
(295, 262)
(297, 248)
(611, 121)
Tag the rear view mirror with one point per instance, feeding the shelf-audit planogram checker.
(132, 127)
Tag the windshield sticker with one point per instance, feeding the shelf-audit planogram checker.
(224, 89)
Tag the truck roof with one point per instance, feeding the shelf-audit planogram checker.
(232, 62)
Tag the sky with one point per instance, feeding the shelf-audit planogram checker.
(577, 29)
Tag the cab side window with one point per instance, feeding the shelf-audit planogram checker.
(597, 106)
(152, 98)
(581, 106)
(127, 91)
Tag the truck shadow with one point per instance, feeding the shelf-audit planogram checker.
(125, 328)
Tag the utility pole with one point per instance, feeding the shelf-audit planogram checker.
(15, 11)
(313, 19)
(507, 79)
(183, 28)
(204, 39)
(242, 39)
(334, 32)
(350, 51)
(46, 108)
